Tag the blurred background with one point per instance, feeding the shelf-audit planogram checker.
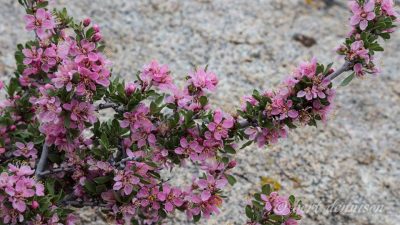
(352, 161)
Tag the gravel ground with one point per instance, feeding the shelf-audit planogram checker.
(353, 159)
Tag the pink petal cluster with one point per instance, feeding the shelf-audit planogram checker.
(220, 126)
(362, 13)
(26, 150)
(17, 188)
(42, 22)
(157, 75)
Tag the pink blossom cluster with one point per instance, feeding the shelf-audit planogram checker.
(304, 97)
(73, 65)
(199, 83)
(370, 18)
(17, 193)
(156, 126)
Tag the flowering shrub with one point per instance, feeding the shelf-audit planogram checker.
(56, 155)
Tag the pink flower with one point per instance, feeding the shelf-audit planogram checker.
(125, 180)
(362, 13)
(148, 196)
(307, 69)
(49, 108)
(28, 150)
(137, 119)
(130, 88)
(64, 75)
(156, 74)
(268, 204)
(20, 171)
(42, 22)
(203, 80)
(281, 206)
(210, 185)
(142, 138)
(283, 108)
(81, 112)
(388, 7)
(86, 52)
(171, 196)
(358, 69)
(32, 55)
(87, 81)
(189, 148)
(220, 126)
(49, 58)
(358, 51)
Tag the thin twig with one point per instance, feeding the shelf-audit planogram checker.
(111, 105)
(83, 203)
(42, 161)
(56, 170)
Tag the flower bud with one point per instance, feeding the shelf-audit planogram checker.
(97, 37)
(232, 164)
(86, 22)
(35, 205)
(96, 28)
(13, 127)
(130, 88)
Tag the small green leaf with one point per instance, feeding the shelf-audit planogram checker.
(249, 212)
(348, 79)
(203, 101)
(230, 149)
(231, 179)
(90, 186)
(89, 33)
(102, 180)
(266, 189)
(196, 218)
(292, 199)
(42, 4)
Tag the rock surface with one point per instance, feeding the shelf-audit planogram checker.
(353, 159)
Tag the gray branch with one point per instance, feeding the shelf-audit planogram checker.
(56, 170)
(345, 67)
(42, 161)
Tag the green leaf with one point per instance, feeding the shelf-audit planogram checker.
(102, 180)
(19, 57)
(196, 218)
(90, 186)
(292, 199)
(50, 186)
(266, 189)
(89, 33)
(42, 4)
(249, 212)
(203, 101)
(231, 179)
(246, 144)
(104, 141)
(230, 149)
(154, 108)
(348, 79)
